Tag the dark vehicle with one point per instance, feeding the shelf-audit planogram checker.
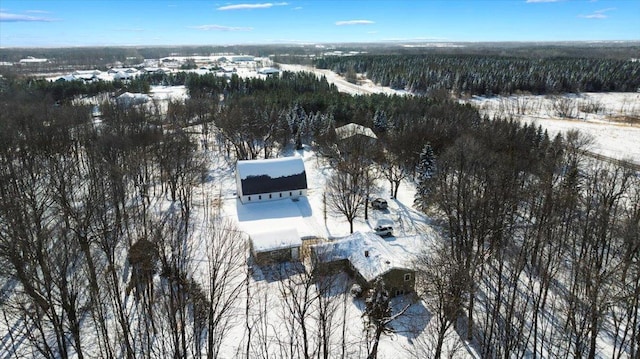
(379, 203)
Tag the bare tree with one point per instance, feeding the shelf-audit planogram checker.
(441, 286)
(226, 267)
(563, 106)
(346, 195)
(378, 315)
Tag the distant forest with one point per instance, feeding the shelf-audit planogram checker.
(464, 69)
(489, 75)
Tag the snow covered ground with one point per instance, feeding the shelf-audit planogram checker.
(367, 87)
(411, 234)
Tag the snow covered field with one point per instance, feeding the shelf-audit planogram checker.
(613, 136)
(343, 85)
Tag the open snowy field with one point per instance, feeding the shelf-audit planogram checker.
(368, 87)
(615, 127)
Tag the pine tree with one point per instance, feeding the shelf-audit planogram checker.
(425, 171)
(380, 121)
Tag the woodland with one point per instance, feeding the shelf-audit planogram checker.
(540, 243)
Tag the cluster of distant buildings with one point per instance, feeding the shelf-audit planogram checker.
(221, 65)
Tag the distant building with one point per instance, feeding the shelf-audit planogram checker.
(270, 179)
(269, 71)
(32, 60)
(130, 99)
(87, 76)
(242, 58)
(354, 130)
(367, 257)
(154, 70)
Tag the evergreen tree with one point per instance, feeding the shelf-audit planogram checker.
(380, 121)
(425, 171)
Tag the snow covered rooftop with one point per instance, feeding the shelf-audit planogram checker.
(352, 129)
(367, 252)
(275, 239)
(274, 168)
(270, 176)
(277, 215)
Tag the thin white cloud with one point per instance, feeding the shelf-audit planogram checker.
(598, 14)
(354, 22)
(8, 17)
(538, 1)
(37, 12)
(220, 28)
(297, 8)
(129, 29)
(413, 39)
(251, 6)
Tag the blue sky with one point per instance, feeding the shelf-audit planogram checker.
(107, 23)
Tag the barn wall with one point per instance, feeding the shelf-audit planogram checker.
(272, 196)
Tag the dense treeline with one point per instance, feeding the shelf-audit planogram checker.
(540, 243)
(97, 220)
(490, 75)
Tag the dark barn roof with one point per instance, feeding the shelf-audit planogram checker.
(272, 175)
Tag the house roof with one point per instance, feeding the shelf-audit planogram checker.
(379, 260)
(268, 71)
(352, 129)
(271, 240)
(271, 175)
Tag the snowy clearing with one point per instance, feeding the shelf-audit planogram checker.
(613, 136)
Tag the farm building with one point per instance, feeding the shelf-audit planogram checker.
(131, 99)
(275, 246)
(353, 130)
(270, 179)
(269, 71)
(366, 256)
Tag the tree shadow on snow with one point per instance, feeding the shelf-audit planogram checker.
(276, 272)
(414, 321)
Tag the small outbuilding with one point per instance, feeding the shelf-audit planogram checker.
(269, 71)
(275, 246)
(354, 130)
(131, 99)
(270, 179)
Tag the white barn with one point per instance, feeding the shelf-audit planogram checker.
(270, 179)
